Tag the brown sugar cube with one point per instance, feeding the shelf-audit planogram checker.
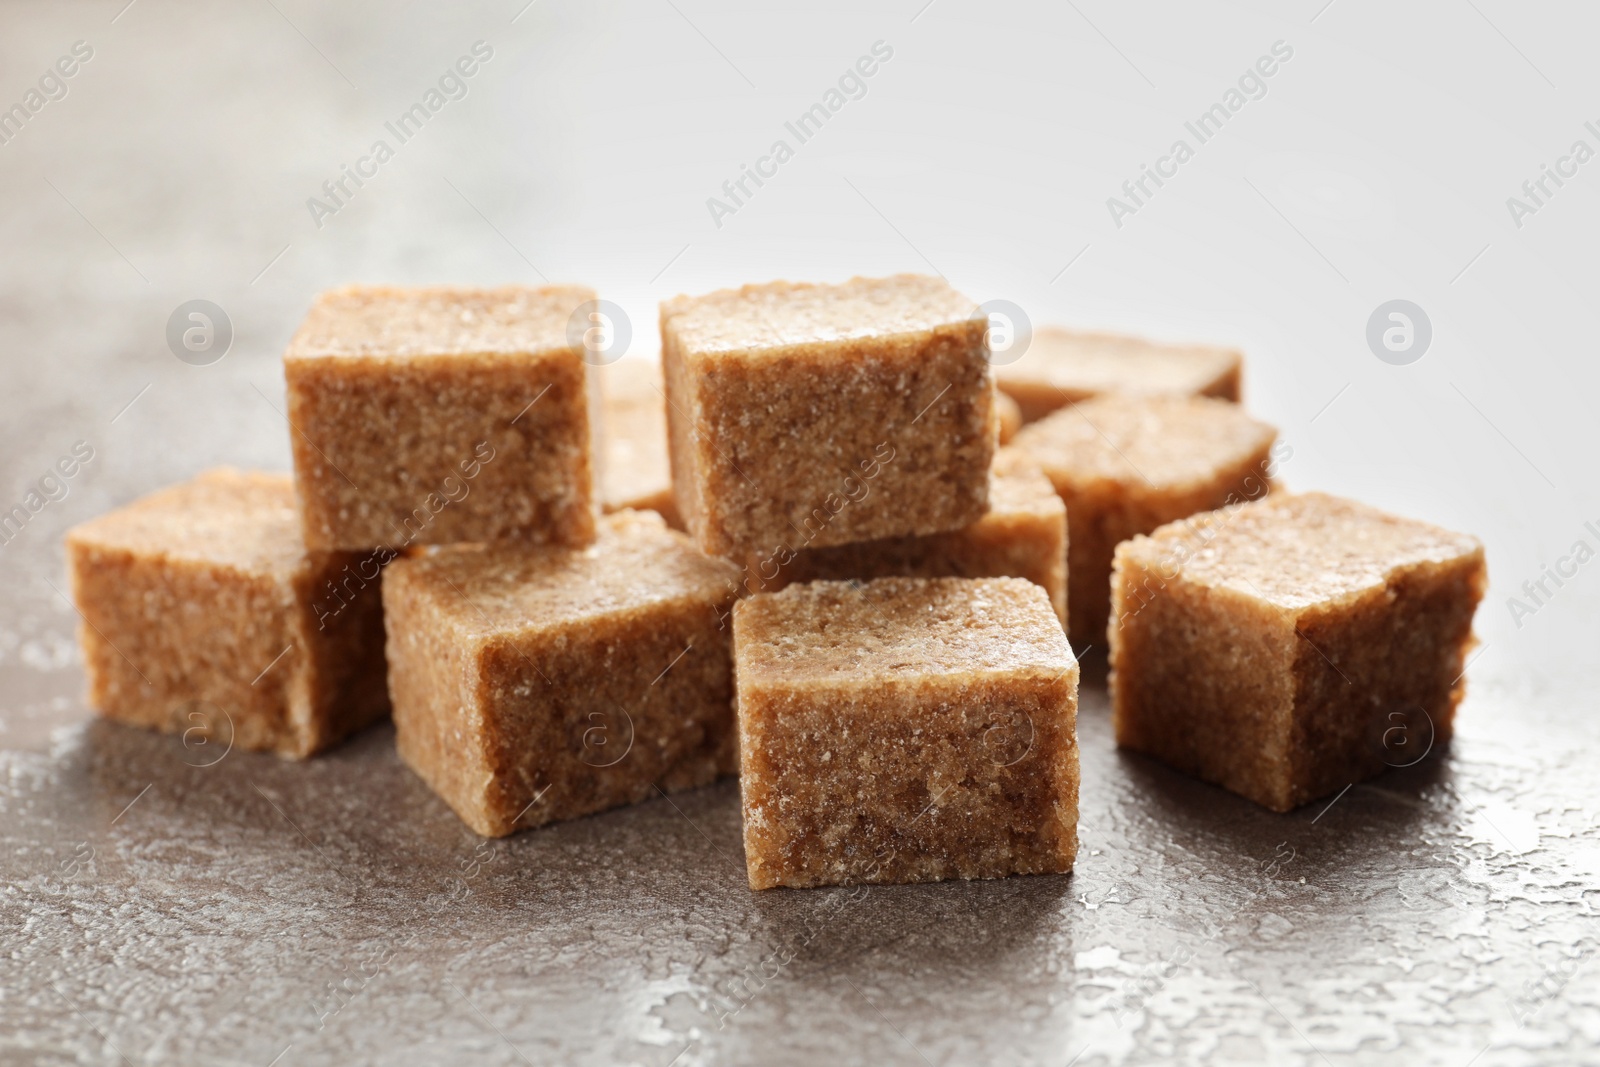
(1287, 648)
(1124, 465)
(202, 611)
(536, 683)
(789, 404)
(1024, 535)
(1063, 366)
(905, 730)
(437, 415)
(1008, 415)
(634, 470)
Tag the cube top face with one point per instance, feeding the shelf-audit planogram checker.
(1296, 552)
(780, 315)
(1144, 444)
(1081, 365)
(384, 322)
(242, 520)
(510, 591)
(849, 634)
(635, 472)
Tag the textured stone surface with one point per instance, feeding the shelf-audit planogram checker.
(216, 918)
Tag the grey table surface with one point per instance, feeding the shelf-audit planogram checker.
(172, 903)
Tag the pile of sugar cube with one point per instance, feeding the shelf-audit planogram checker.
(834, 544)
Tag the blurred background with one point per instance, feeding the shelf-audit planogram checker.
(179, 163)
(195, 152)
